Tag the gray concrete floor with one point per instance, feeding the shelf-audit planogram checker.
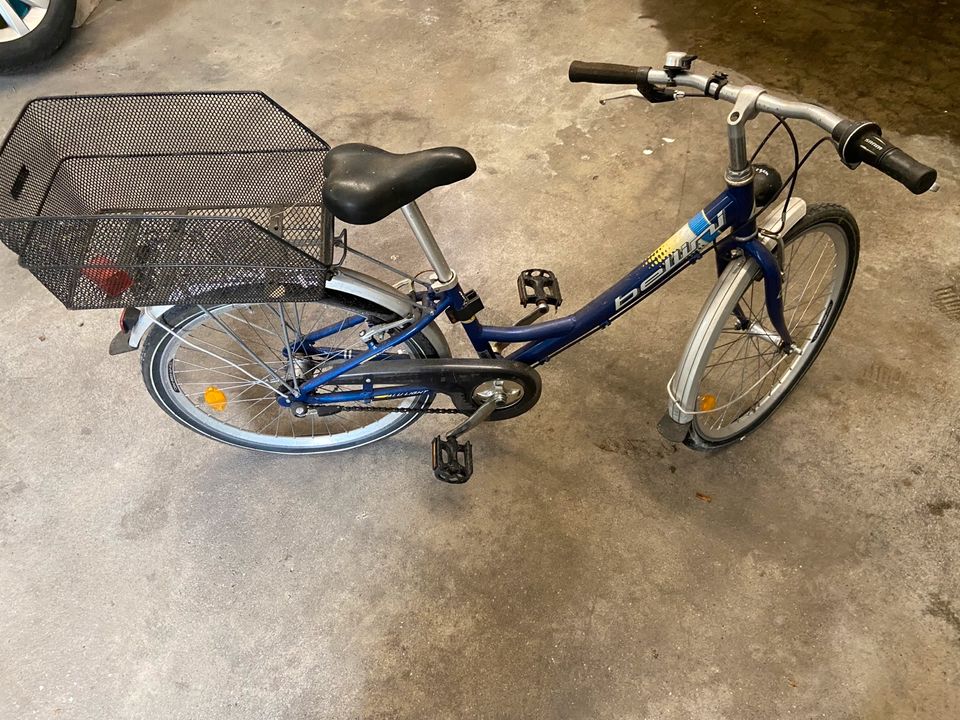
(148, 573)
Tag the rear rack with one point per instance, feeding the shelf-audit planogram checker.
(166, 199)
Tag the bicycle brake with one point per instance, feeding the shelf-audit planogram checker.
(652, 94)
(604, 99)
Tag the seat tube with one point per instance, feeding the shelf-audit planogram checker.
(423, 234)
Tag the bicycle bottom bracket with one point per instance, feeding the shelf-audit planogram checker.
(452, 460)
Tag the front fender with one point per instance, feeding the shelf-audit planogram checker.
(682, 387)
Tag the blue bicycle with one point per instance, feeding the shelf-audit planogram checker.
(287, 371)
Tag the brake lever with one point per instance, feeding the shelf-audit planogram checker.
(604, 99)
(660, 96)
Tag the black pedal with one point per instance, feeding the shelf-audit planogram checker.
(539, 287)
(452, 461)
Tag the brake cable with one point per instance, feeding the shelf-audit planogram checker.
(791, 179)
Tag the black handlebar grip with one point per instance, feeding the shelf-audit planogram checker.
(861, 142)
(892, 161)
(607, 73)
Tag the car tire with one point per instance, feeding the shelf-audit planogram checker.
(41, 41)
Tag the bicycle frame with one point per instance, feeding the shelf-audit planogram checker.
(731, 210)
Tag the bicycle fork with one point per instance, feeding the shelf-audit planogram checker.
(682, 388)
(773, 291)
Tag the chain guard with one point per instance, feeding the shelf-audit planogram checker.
(456, 378)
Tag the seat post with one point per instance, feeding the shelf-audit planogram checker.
(424, 236)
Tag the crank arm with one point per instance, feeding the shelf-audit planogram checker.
(483, 413)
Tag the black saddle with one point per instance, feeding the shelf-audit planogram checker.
(364, 184)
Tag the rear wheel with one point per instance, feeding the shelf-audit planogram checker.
(227, 389)
(32, 30)
(740, 374)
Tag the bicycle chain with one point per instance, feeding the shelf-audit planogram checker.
(409, 411)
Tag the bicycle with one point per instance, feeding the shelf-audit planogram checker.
(253, 332)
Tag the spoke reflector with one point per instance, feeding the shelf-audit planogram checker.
(215, 398)
(707, 402)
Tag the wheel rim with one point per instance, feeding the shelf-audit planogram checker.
(20, 17)
(203, 356)
(746, 373)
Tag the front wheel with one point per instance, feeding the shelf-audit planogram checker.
(221, 370)
(735, 372)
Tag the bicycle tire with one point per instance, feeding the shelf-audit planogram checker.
(156, 369)
(839, 225)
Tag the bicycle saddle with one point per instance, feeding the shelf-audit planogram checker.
(364, 184)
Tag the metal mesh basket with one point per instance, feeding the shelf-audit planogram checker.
(161, 199)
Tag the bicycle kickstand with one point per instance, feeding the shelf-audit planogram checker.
(453, 460)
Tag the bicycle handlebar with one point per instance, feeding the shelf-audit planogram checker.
(856, 142)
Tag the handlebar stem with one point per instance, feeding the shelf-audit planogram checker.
(748, 101)
(739, 171)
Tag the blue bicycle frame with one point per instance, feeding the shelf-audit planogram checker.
(731, 210)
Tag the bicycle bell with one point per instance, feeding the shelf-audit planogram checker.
(678, 62)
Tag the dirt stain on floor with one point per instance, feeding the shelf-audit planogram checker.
(895, 62)
(941, 608)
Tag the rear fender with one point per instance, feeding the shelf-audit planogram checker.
(346, 285)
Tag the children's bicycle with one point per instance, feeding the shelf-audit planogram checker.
(209, 217)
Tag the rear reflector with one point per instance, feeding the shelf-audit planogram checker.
(103, 272)
(128, 318)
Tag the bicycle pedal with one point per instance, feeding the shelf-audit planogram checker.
(539, 287)
(452, 460)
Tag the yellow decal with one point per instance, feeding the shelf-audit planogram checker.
(672, 244)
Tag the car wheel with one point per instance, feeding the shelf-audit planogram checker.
(32, 30)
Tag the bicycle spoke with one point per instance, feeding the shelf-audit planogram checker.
(244, 353)
(256, 331)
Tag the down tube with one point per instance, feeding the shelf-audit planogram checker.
(683, 248)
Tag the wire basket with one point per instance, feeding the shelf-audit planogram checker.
(166, 199)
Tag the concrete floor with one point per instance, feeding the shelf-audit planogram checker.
(148, 573)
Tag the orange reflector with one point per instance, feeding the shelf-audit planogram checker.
(707, 403)
(215, 398)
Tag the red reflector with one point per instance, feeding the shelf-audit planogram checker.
(108, 278)
(128, 318)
